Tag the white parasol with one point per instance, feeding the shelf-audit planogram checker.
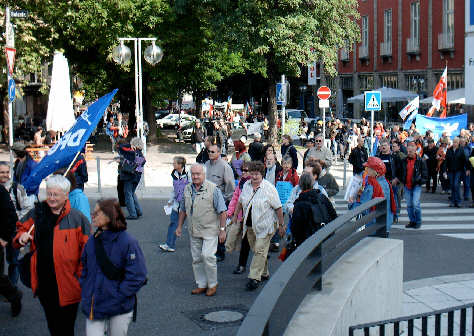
(60, 116)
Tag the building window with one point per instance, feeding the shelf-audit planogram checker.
(366, 82)
(455, 81)
(416, 83)
(415, 21)
(448, 16)
(387, 26)
(390, 81)
(346, 83)
(365, 31)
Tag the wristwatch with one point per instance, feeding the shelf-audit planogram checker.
(222, 228)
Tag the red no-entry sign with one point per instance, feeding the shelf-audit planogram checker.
(324, 92)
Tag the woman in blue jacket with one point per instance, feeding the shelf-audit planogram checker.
(113, 272)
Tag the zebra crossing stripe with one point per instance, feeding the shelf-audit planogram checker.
(437, 227)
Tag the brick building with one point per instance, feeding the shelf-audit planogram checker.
(405, 44)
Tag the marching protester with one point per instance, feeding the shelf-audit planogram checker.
(377, 185)
(272, 167)
(287, 149)
(358, 157)
(219, 172)
(203, 155)
(309, 144)
(236, 229)
(24, 165)
(7, 231)
(239, 157)
(397, 185)
(180, 180)
(327, 180)
(79, 168)
(113, 271)
(57, 235)
(303, 222)
(288, 172)
(320, 151)
(431, 162)
(256, 150)
(442, 166)
(413, 174)
(132, 162)
(204, 207)
(457, 166)
(471, 168)
(465, 176)
(262, 214)
(77, 198)
(111, 130)
(198, 136)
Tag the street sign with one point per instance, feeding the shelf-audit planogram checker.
(281, 94)
(11, 90)
(324, 103)
(324, 93)
(373, 100)
(10, 55)
(21, 14)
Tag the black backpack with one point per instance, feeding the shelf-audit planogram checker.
(320, 213)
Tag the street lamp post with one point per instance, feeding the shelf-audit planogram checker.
(153, 55)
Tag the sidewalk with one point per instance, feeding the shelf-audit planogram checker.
(427, 295)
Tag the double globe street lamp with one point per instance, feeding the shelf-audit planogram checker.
(153, 55)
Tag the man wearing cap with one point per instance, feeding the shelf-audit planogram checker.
(320, 151)
(256, 148)
(413, 174)
(377, 185)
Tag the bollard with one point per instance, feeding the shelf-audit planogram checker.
(345, 174)
(99, 187)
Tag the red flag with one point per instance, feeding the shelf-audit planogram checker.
(440, 95)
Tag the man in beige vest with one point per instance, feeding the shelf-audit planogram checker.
(204, 207)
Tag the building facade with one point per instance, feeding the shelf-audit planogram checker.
(405, 44)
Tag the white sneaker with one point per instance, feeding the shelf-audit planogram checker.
(166, 248)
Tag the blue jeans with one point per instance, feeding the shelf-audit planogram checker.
(466, 181)
(412, 197)
(171, 237)
(131, 200)
(13, 264)
(455, 180)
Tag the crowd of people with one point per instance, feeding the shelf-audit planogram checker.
(229, 200)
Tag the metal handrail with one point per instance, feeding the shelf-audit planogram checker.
(424, 317)
(302, 272)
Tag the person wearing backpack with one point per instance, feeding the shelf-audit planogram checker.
(113, 272)
(311, 210)
(132, 162)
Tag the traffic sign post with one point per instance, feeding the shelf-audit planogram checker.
(323, 94)
(373, 102)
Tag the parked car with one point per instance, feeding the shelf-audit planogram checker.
(159, 114)
(175, 121)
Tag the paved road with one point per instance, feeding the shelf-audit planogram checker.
(167, 308)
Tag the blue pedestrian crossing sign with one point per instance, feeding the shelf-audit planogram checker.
(373, 100)
(11, 90)
(281, 94)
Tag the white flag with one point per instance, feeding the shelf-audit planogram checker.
(412, 106)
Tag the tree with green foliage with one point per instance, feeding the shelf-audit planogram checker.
(281, 36)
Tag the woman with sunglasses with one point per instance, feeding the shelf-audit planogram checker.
(235, 230)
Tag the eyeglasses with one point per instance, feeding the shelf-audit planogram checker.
(317, 141)
(213, 152)
(245, 170)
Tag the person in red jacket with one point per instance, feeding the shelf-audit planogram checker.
(288, 173)
(57, 235)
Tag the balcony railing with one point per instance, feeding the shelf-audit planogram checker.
(413, 45)
(386, 48)
(363, 52)
(446, 41)
(344, 54)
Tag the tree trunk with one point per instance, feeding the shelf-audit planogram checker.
(148, 113)
(272, 107)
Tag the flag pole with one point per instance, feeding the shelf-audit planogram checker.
(72, 162)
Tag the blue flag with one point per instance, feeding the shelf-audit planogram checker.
(64, 151)
(451, 125)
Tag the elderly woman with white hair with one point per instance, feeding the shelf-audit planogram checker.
(57, 235)
(131, 166)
